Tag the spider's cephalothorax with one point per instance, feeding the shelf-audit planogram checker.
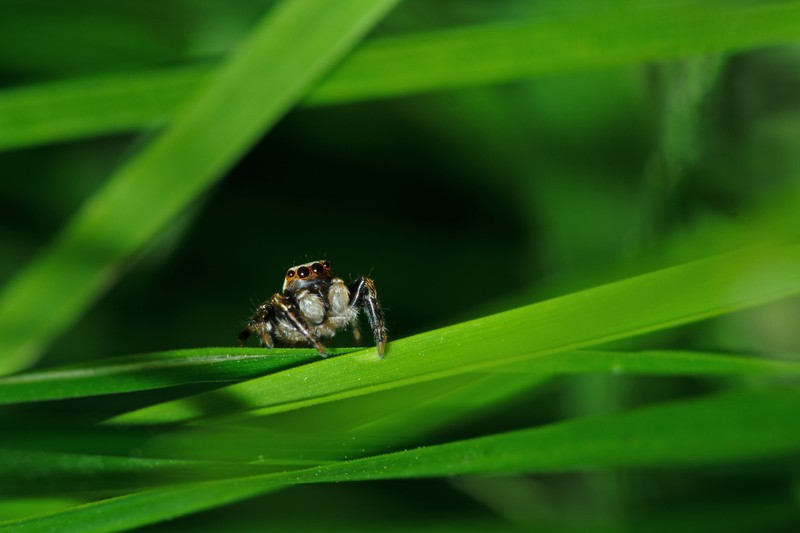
(315, 305)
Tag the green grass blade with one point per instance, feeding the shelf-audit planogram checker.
(746, 425)
(659, 300)
(16, 508)
(212, 365)
(728, 427)
(562, 36)
(94, 460)
(343, 430)
(75, 460)
(140, 509)
(152, 371)
(35, 473)
(286, 53)
(654, 363)
(96, 105)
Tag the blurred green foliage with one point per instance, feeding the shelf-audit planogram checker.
(472, 156)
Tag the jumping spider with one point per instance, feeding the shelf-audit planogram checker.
(314, 305)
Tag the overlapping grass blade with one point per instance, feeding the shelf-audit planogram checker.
(213, 365)
(81, 461)
(152, 371)
(560, 36)
(26, 472)
(743, 425)
(15, 508)
(285, 55)
(637, 305)
(95, 105)
(94, 460)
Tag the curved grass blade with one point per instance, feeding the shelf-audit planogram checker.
(650, 302)
(139, 509)
(16, 508)
(385, 421)
(727, 427)
(286, 53)
(214, 365)
(655, 362)
(27, 472)
(744, 425)
(81, 461)
(563, 36)
(152, 371)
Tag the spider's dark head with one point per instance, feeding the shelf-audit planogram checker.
(307, 274)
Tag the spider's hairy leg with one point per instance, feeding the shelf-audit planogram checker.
(287, 309)
(363, 294)
(339, 302)
(259, 325)
(244, 335)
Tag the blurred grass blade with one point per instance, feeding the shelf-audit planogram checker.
(95, 105)
(618, 310)
(295, 44)
(746, 425)
(212, 365)
(562, 36)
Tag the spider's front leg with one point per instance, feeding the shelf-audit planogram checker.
(287, 310)
(363, 294)
(260, 325)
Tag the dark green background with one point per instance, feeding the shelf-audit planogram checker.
(458, 204)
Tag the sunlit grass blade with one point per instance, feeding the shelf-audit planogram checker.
(714, 430)
(342, 430)
(391, 418)
(618, 310)
(213, 365)
(83, 461)
(16, 508)
(655, 363)
(561, 36)
(739, 426)
(152, 371)
(294, 45)
(95, 105)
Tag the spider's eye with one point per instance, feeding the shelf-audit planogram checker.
(317, 268)
(302, 272)
(290, 274)
(326, 264)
